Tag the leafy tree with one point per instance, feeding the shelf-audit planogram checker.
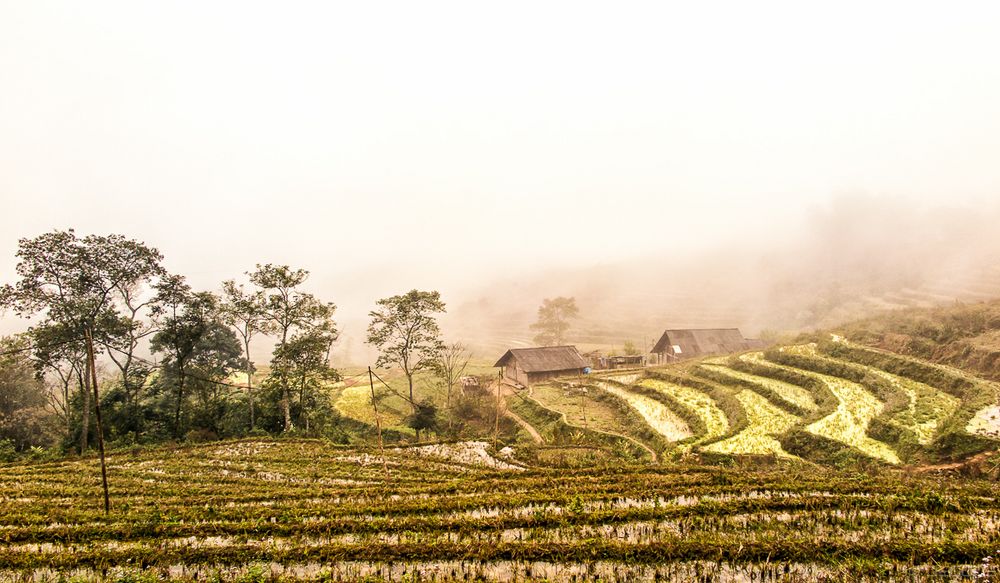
(122, 339)
(198, 345)
(217, 355)
(289, 310)
(24, 422)
(630, 348)
(246, 312)
(404, 330)
(553, 320)
(423, 417)
(58, 353)
(302, 365)
(72, 280)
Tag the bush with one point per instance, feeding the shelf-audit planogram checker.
(7, 451)
(200, 436)
(425, 417)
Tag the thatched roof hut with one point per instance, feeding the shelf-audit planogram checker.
(695, 342)
(531, 365)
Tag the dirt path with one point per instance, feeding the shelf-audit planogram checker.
(976, 459)
(507, 391)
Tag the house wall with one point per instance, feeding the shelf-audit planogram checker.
(514, 373)
(539, 377)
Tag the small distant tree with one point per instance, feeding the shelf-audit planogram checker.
(553, 321)
(57, 353)
(450, 367)
(630, 349)
(404, 330)
(122, 338)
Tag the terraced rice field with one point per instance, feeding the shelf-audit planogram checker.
(848, 423)
(764, 423)
(578, 407)
(307, 510)
(658, 415)
(927, 409)
(789, 392)
(986, 422)
(714, 419)
(885, 408)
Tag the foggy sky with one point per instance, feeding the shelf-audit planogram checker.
(388, 146)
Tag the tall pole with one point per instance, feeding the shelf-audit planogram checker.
(97, 410)
(378, 424)
(496, 422)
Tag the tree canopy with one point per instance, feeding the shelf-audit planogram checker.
(407, 334)
(553, 321)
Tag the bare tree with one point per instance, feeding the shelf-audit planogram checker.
(122, 340)
(450, 366)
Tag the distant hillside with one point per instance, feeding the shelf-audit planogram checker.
(963, 335)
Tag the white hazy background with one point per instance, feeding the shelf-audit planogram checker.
(442, 145)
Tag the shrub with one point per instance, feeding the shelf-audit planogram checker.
(7, 451)
(200, 436)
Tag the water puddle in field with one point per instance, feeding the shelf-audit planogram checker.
(625, 503)
(856, 526)
(511, 571)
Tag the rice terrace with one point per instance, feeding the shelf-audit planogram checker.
(827, 457)
(457, 291)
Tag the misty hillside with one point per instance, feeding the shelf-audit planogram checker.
(856, 258)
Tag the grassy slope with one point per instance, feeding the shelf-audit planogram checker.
(963, 336)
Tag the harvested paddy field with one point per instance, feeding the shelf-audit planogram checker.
(306, 510)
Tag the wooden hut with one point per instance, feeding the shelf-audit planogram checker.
(696, 342)
(525, 366)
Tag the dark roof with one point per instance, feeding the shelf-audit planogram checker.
(546, 359)
(696, 342)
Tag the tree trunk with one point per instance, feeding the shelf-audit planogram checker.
(100, 428)
(84, 409)
(180, 398)
(409, 379)
(303, 415)
(246, 345)
(69, 420)
(447, 405)
(286, 409)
